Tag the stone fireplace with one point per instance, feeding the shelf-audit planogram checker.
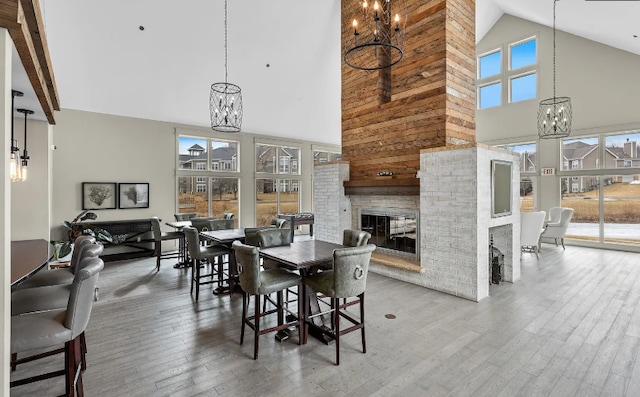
(392, 231)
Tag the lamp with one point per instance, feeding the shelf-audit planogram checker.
(225, 99)
(378, 35)
(25, 154)
(14, 167)
(554, 114)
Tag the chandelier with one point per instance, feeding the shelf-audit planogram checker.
(225, 99)
(25, 155)
(554, 114)
(378, 35)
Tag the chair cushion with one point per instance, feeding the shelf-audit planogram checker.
(47, 277)
(40, 299)
(212, 251)
(274, 280)
(321, 282)
(38, 330)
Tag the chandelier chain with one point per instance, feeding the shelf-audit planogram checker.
(554, 48)
(225, 40)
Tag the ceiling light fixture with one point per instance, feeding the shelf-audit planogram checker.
(225, 99)
(378, 35)
(554, 114)
(14, 166)
(25, 154)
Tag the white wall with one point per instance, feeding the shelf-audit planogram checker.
(94, 147)
(31, 199)
(600, 80)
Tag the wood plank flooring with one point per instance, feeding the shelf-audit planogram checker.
(570, 327)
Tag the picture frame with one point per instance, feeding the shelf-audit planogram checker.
(133, 195)
(99, 196)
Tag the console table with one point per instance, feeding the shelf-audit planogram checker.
(132, 238)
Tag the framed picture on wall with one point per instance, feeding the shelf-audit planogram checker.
(133, 195)
(99, 195)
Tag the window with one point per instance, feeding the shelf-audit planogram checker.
(201, 179)
(523, 87)
(275, 196)
(575, 187)
(490, 95)
(490, 64)
(575, 164)
(276, 159)
(201, 188)
(581, 153)
(527, 152)
(520, 77)
(201, 166)
(325, 157)
(215, 166)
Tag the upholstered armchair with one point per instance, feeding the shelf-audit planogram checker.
(556, 230)
(531, 226)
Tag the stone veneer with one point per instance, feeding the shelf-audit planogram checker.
(455, 218)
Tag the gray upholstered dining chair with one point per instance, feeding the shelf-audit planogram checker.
(185, 216)
(251, 235)
(220, 224)
(63, 275)
(46, 329)
(272, 237)
(278, 222)
(159, 236)
(355, 238)
(258, 282)
(213, 254)
(347, 279)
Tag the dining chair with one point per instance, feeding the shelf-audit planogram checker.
(46, 329)
(272, 237)
(62, 275)
(260, 283)
(159, 236)
(355, 238)
(278, 222)
(185, 216)
(251, 235)
(220, 224)
(50, 297)
(213, 254)
(347, 279)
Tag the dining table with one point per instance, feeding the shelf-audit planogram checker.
(28, 257)
(306, 257)
(226, 237)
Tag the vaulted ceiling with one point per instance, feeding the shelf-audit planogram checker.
(156, 59)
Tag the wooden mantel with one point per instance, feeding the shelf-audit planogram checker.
(23, 20)
(382, 187)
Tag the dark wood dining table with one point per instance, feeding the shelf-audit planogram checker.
(27, 257)
(227, 237)
(305, 257)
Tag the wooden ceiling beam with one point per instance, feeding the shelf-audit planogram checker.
(23, 20)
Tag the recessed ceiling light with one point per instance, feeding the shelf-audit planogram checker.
(141, 27)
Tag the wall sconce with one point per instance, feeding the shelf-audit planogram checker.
(25, 154)
(14, 167)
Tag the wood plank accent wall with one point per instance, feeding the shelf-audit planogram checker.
(433, 97)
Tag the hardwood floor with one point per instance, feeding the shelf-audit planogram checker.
(570, 327)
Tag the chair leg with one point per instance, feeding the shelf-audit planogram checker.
(535, 250)
(256, 335)
(364, 340)
(69, 368)
(336, 316)
(556, 241)
(244, 315)
(83, 350)
(77, 367)
(562, 240)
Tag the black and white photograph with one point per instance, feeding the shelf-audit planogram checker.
(133, 195)
(98, 195)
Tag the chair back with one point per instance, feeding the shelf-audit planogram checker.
(531, 224)
(554, 214)
(201, 224)
(155, 228)
(559, 229)
(78, 243)
(220, 224)
(273, 237)
(185, 216)
(350, 269)
(85, 250)
(193, 241)
(251, 235)
(248, 261)
(81, 296)
(355, 238)
(278, 222)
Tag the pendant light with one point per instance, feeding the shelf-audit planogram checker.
(14, 167)
(25, 154)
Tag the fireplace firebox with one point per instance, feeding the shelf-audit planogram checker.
(393, 232)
